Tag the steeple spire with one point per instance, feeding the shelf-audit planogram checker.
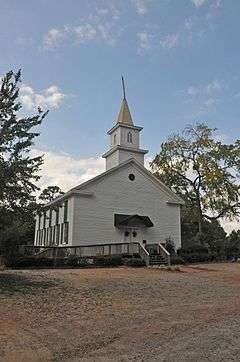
(124, 90)
(124, 115)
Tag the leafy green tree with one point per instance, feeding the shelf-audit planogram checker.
(202, 170)
(233, 244)
(49, 194)
(18, 170)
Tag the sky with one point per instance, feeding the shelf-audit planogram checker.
(180, 60)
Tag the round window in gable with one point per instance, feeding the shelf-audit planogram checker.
(131, 177)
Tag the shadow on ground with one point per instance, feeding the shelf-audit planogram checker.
(15, 283)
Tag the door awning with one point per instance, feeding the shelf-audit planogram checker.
(132, 220)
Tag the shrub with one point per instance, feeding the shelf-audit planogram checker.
(76, 261)
(232, 252)
(196, 258)
(72, 260)
(108, 261)
(170, 247)
(195, 254)
(128, 256)
(177, 260)
(31, 261)
(194, 249)
(135, 263)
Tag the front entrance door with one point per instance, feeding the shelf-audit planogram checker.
(132, 234)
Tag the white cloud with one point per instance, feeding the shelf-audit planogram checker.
(141, 6)
(214, 86)
(205, 96)
(230, 225)
(81, 34)
(210, 89)
(210, 102)
(50, 97)
(66, 171)
(99, 26)
(199, 3)
(144, 40)
(170, 41)
(85, 32)
(192, 91)
(53, 37)
(148, 40)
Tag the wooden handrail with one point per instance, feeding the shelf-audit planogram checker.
(75, 246)
(88, 250)
(164, 253)
(144, 254)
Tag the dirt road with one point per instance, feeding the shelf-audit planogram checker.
(121, 314)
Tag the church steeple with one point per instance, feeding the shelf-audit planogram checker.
(124, 138)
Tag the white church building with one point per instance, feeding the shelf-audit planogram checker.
(124, 204)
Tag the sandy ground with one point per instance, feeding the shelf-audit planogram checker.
(121, 314)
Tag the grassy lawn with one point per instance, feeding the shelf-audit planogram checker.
(121, 314)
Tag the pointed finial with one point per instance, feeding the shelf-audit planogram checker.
(124, 91)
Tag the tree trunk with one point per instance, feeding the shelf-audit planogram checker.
(200, 220)
(200, 224)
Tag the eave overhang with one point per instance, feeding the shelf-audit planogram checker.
(124, 148)
(68, 194)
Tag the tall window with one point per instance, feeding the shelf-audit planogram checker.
(57, 225)
(62, 233)
(44, 219)
(39, 221)
(50, 217)
(114, 139)
(65, 211)
(129, 137)
(57, 234)
(57, 215)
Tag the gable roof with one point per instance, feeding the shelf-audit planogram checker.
(173, 198)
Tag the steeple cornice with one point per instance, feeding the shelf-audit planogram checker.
(124, 148)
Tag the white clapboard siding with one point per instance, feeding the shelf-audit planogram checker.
(93, 217)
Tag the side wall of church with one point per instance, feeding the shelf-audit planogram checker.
(93, 219)
(55, 225)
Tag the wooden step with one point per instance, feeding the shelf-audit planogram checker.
(157, 259)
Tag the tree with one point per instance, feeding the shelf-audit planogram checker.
(49, 194)
(18, 170)
(233, 244)
(203, 171)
